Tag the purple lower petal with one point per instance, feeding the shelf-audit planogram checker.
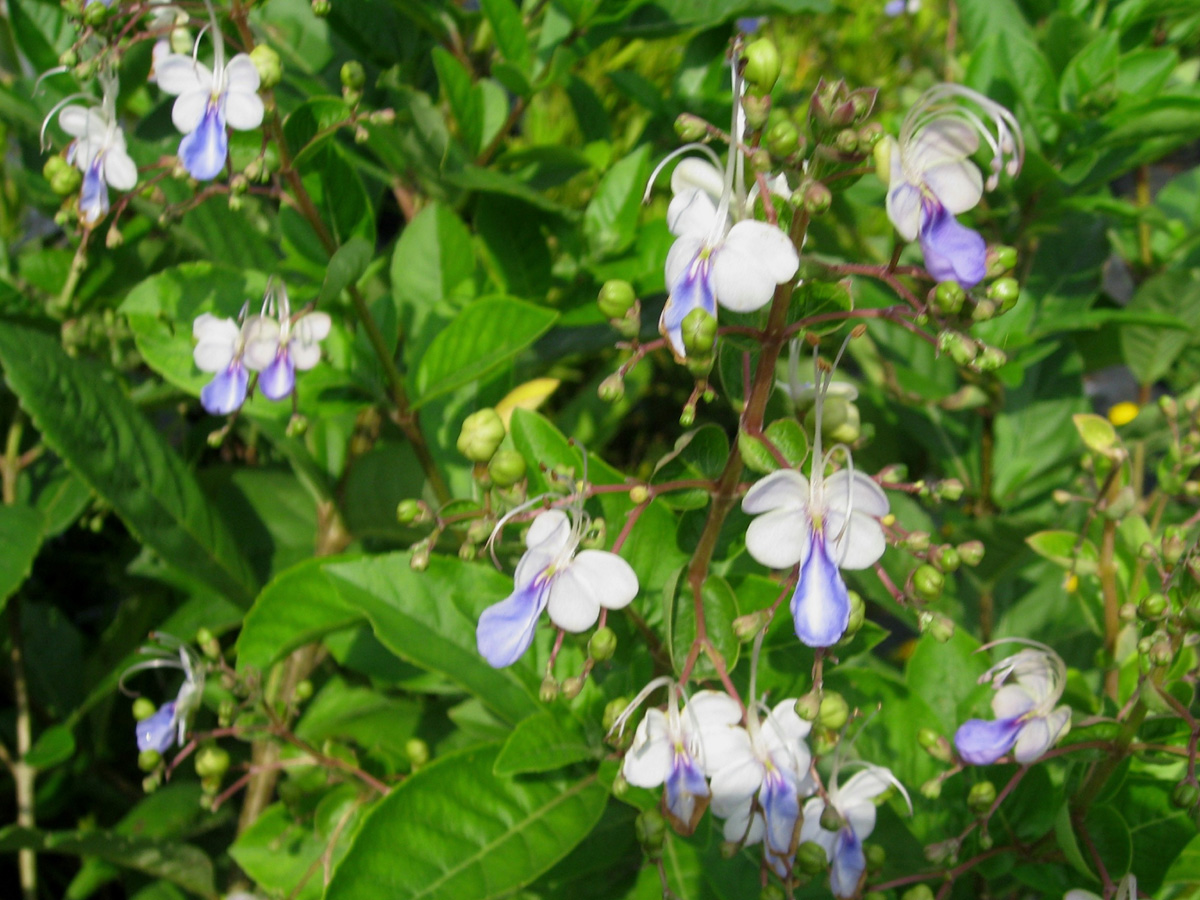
(684, 783)
(781, 808)
(691, 291)
(953, 252)
(93, 196)
(820, 604)
(227, 391)
(848, 863)
(505, 629)
(277, 380)
(158, 731)
(204, 150)
(893, 8)
(982, 741)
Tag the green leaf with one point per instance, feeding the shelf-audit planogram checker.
(311, 124)
(379, 724)
(464, 103)
(21, 537)
(297, 608)
(181, 864)
(466, 832)
(511, 232)
(506, 22)
(428, 618)
(720, 605)
(95, 428)
(945, 676)
(54, 746)
(345, 268)
(482, 337)
(542, 743)
(698, 455)
(1060, 547)
(1148, 351)
(611, 218)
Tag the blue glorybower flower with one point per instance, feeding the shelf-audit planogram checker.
(208, 100)
(932, 179)
(277, 347)
(169, 723)
(1028, 722)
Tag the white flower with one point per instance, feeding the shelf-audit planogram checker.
(551, 574)
(220, 348)
(855, 806)
(98, 151)
(168, 725)
(1027, 719)
(932, 178)
(276, 348)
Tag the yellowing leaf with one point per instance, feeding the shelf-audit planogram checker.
(529, 395)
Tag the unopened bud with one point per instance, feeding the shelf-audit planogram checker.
(817, 198)
(876, 857)
(268, 64)
(858, 615)
(983, 311)
(932, 789)
(353, 75)
(981, 797)
(936, 624)
(548, 692)
(96, 14)
(1004, 292)
(690, 128)
(934, 744)
(417, 752)
(143, 708)
(208, 643)
(409, 511)
(572, 686)
(1185, 795)
(699, 332)
(612, 388)
(846, 141)
(1160, 653)
(1172, 549)
(745, 627)
(639, 494)
(612, 712)
(811, 858)
(481, 435)
(783, 139)
(771, 891)
(949, 489)
(916, 541)
(756, 110)
(958, 347)
(616, 298)
(419, 560)
(687, 416)
(602, 645)
(763, 65)
(990, 359)
(928, 583)
(946, 558)
(918, 892)
(383, 117)
(831, 819)
(1000, 259)
(148, 760)
(506, 468)
(971, 553)
(212, 761)
(1121, 505)
(809, 706)
(834, 711)
(651, 830)
(321, 8)
(304, 690)
(948, 297)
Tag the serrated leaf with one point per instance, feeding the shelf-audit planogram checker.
(94, 427)
(482, 337)
(466, 832)
(21, 538)
(345, 268)
(610, 220)
(542, 743)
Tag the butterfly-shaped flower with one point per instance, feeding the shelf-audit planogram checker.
(1028, 720)
(98, 151)
(169, 724)
(932, 178)
(277, 347)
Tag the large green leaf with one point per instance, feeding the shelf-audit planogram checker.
(20, 536)
(1148, 351)
(543, 743)
(483, 336)
(465, 832)
(96, 429)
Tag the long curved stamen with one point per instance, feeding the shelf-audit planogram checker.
(78, 95)
(677, 152)
(218, 49)
(505, 519)
(732, 163)
(618, 725)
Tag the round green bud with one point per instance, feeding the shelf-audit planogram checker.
(846, 141)
(918, 892)
(690, 128)
(69, 58)
(817, 199)
(756, 110)
(808, 707)
(268, 64)
(932, 789)
(811, 858)
(935, 745)
(763, 65)
(66, 181)
(916, 541)
(831, 819)
(506, 468)
(639, 494)
(651, 829)
(143, 708)
(148, 760)
(948, 297)
(941, 627)
(760, 160)
(616, 298)
(572, 686)
(1160, 653)
(869, 136)
(1127, 612)
(353, 76)
(612, 712)
(699, 332)
(981, 797)
(303, 691)
(876, 857)
(771, 891)
(1153, 606)
(1000, 259)
(407, 511)
(928, 583)
(1005, 292)
(602, 645)
(181, 42)
(1185, 795)
(990, 359)
(612, 388)
(959, 347)
(212, 761)
(971, 553)
(419, 560)
(783, 138)
(417, 752)
(96, 14)
(858, 614)
(481, 435)
(947, 559)
(321, 8)
(984, 311)
(834, 711)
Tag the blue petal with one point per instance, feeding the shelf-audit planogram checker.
(848, 863)
(820, 604)
(684, 783)
(953, 252)
(781, 809)
(981, 742)
(691, 291)
(894, 8)
(505, 629)
(277, 380)
(158, 731)
(750, 24)
(227, 391)
(204, 150)
(93, 196)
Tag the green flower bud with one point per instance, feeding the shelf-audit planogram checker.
(783, 139)
(984, 310)
(876, 857)
(858, 614)
(834, 711)
(928, 583)
(809, 706)
(612, 712)
(148, 760)
(417, 752)
(756, 110)
(212, 761)
(959, 347)
(408, 511)
(869, 136)
(143, 708)
(948, 297)
(942, 852)
(811, 858)
(353, 76)
(651, 829)
(745, 627)
(918, 892)
(1152, 607)
(934, 744)
(831, 819)
(932, 789)
(321, 8)
(639, 494)
(181, 41)
(817, 198)
(419, 560)
(981, 797)
(971, 553)
(763, 65)
(699, 332)
(572, 686)
(916, 541)
(66, 181)
(69, 58)
(506, 468)
(846, 142)
(481, 435)
(1185, 795)
(602, 645)
(383, 117)
(687, 416)
(1160, 653)
(548, 692)
(946, 558)
(1005, 292)
(1172, 548)
(96, 14)
(1000, 259)
(612, 388)
(941, 627)
(690, 128)
(616, 298)
(268, 64)
(771, 891)
(990, 359)
(1127, 612)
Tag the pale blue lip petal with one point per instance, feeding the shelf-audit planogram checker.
(953, 252)
(981, 742)
(893, 8)
(158, 731)
(781, 808)
(277, 380)
(204, 150)
(227, 391)
(684, 783)
(820, 604)
(505, 629)
(691, 291)
(847, 864)
(93, 195)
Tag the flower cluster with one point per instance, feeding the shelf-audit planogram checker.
(273, 343)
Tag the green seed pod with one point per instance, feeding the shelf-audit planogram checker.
(506, 468)
(143, 708)
(481, 435)
(834, 711)
(1153, 607)
(212, 761)
(981, 797)
(148, 760)
(948, 297)
(763, 65)
(268, 64)
(417, 752)
(602, 645)
(616, 298)
(811, 858)
(928, 583)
